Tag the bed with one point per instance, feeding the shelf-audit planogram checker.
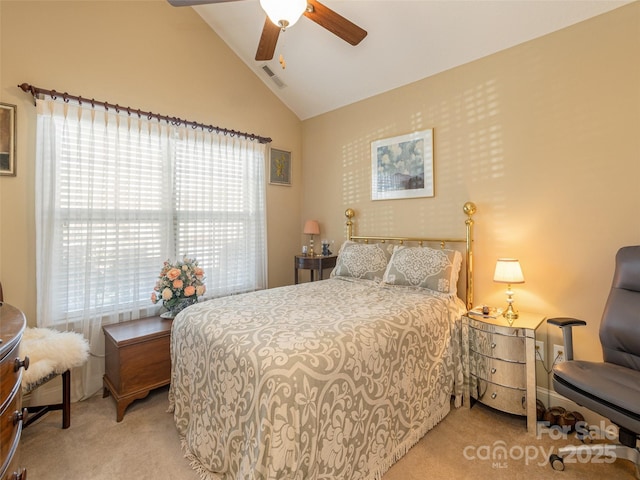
(334, 379)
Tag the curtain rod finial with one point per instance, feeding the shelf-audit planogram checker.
(29, 88)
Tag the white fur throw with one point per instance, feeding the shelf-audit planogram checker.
(51, 351)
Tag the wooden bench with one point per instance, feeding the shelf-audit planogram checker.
(137, 359)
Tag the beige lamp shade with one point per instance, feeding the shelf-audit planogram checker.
(311, 227)
(508, 271)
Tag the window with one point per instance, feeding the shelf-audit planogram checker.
(117, 195)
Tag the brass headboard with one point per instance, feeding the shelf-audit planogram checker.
(469, 209)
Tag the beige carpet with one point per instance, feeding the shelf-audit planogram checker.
(145, 445)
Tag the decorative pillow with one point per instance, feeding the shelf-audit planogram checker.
(362, 260)
(424, 267)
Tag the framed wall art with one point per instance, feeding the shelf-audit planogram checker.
(402, 167)
(7, 139)
(280, 167)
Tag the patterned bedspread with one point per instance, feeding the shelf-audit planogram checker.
(334, 379)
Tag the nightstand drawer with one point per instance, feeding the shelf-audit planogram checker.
(508, 374)
(510, 348)
(510, 400)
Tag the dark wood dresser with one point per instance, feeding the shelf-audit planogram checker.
(12, 325)
(137, 359)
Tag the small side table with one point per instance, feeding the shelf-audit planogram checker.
(315, 264)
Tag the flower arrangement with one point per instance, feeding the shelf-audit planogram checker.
(179, 284)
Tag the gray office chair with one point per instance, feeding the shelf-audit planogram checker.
(610, 388)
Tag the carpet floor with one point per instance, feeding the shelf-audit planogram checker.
(145, 445)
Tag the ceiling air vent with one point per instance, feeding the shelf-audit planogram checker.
(274, 78)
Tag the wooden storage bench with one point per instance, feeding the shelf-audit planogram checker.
(137, 359)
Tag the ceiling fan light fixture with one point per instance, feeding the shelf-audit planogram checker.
(284, 13)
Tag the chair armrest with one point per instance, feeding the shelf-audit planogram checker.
(566, 324)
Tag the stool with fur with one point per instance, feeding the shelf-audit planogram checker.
(51, 353)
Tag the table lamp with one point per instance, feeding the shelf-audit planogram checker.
(508, 271)
(311, 228)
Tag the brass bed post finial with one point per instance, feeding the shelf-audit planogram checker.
(469, 209)
(349, 213)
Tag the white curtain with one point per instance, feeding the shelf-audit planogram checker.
(116, 196)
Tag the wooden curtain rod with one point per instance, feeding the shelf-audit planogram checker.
(172, 120)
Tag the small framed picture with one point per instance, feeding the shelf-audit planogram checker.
(7, 139)
(402, 167)
(280, 167)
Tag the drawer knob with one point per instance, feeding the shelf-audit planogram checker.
(21, 363)
(493, 370)
(494, 395)
(493, 345)
(21, 475)
(20, 415)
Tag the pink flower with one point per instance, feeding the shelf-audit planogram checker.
(179, 280)
(173, 274)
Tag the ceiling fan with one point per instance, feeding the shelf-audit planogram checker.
(282, 14)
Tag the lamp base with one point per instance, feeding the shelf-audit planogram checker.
(510, 314)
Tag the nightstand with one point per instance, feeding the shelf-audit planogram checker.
(315, 264)
(500, 363)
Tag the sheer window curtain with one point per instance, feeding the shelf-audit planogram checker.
(117, 195)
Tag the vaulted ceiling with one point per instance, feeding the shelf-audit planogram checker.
(407, 40)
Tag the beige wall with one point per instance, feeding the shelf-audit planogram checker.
(543, 137)
(148, 55)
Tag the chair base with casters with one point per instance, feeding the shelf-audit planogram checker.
(609, 376)
(610, 388)
(51, 353)
(603, 451)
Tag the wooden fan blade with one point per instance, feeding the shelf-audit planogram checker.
(268, 40)
(189, 3)
(334, 22)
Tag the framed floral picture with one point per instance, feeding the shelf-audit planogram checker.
(7, 139)
(280, 167)
(402, 167)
